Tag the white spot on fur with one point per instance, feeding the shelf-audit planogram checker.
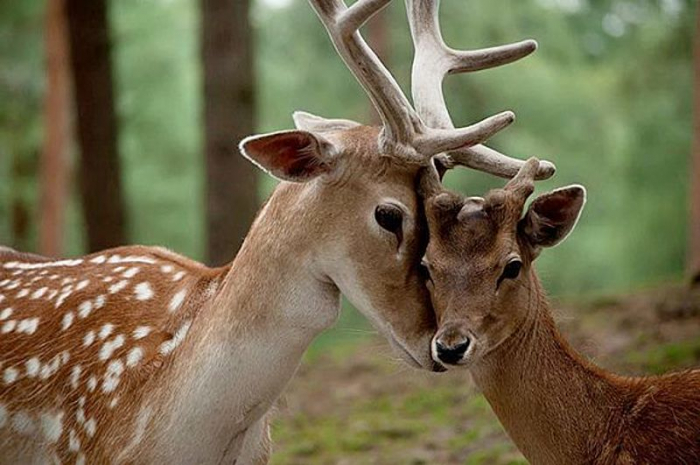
(3, 416)
(84, 309)
(49, 369)
(106, 330)
(134, 357)
(65, 356)
(100, 301)
(177, 300)
(143, 291)
(109, 347)
(82, 285)
(39, 293)
(114, 288)
(28, 326)
(9, 326)
(89, 338)
(23, 423)
(67, 321)
(52, 426)
(131, 272)
(10, 375)
(75, 376)
(34, 266)
(22, 293)
(141, 331)
(80, 460)
(99, 259)
(7, 313)
(2, 297)
(62, 298)
(130, 259)
(92, 383)
(73, 441)
(113, 402)
(32, 365)
(91, 427)
(166, 268)
(113, 375)
(178, 276)
(168, 346)
(80, 416)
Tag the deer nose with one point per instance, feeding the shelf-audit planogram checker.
(451, 354)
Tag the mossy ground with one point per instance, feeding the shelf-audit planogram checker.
(353, 403)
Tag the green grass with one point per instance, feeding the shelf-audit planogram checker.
(673, 356)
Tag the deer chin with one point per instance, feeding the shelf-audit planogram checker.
(412, 360)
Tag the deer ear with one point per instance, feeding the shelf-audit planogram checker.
(296, 156)
(319, 125)
(552, 216)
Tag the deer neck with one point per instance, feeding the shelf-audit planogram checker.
(247, 345)
(555, 405)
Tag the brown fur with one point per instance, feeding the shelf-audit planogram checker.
(34, 394)
(557, 407)
(310, 239)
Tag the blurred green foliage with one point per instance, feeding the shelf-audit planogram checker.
(607, 98)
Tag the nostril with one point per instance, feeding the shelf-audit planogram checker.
(451, 354)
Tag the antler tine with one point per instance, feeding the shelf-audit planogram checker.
(342, 23)
(433, 60)
(404, 132)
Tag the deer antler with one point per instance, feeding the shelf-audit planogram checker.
(433, 60)
(404, 133)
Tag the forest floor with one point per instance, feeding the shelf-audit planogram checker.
(353, 403)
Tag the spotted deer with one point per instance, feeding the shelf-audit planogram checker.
(494, 319)
(139, 355)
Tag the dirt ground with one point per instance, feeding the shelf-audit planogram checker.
(356, 404)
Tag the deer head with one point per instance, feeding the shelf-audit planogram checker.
(358, 183)
(479, 258)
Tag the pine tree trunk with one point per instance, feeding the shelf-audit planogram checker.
(99, 173)
(694, 223)
(229, 116)
(54, 156)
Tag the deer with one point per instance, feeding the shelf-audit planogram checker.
(494, 320)
(139, 355)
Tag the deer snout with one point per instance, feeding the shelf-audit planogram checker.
(451, 344)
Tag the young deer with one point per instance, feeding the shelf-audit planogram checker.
(493, 318)
(138, 355)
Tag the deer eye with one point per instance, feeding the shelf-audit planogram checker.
(389, 217)
(511, 270)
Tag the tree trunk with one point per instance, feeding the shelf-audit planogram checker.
(19, 208)
(100, 174)
(54, 156)
(229, 116)
(694, 223)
